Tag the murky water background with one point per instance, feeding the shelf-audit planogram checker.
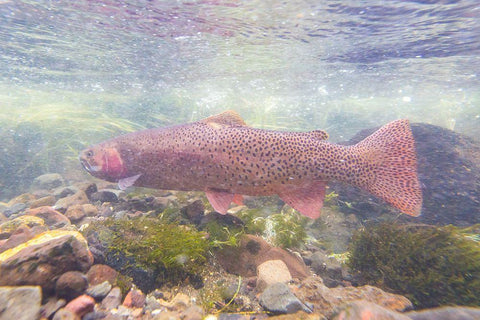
(76, 72)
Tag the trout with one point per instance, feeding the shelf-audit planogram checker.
(224, 157)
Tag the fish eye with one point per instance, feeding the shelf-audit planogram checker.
(89, 153)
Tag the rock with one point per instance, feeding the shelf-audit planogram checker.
(21, 235)
(252, 252)
(78, 198)
(14, 209)
(270, 272)
(9, 227)
(328, 268)
(193, 313)
(75, 213)
(361, 309)
(46, 256)
(99, 273)
(44, 201)
(20, 303)
(446, 313)
(48, 181)
(52, 218)
(194, 211)
(70, 285)
(278, 298)
(64, 314)
(99, 291)
(104, 196)
(134, 299)
(90, 210)
(63, 192)
(449, 171)
(180, 302)
(23, 199)
(81, 305)
(112, 300)
(52, 306)
(325, 300)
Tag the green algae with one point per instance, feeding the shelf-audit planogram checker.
(432, 266)
(168, 250)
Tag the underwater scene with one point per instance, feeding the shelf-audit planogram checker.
(234, 160)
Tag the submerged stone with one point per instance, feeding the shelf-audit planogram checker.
(48, 181)
(278, 298)
(46, 256)
(20, 303)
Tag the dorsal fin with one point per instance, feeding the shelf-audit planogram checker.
(318, 134)
(227, 118)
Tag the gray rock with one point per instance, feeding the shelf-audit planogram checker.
(329, 269)
(64, 314)
(278, 298)
(14, 209)
(20, 303)
(113, 299)
(99, 291)
(52, 306)
(62, 192)
(446, 313)
(48, 181)
(104, 196)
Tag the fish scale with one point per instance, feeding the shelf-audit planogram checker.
(224, 157)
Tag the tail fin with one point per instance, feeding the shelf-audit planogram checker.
(390, 154)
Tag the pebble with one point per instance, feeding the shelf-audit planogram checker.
(99, 273)
(270, 272)
(20, 303)
(64, 314)
(78, 198)
(81, 305)
(53, 305)
(70, 285)
(99, 291)
(113, 299)
(75, 213)
(134, 299)
(278, 298)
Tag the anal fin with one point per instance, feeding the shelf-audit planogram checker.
(219, 199)
(306, 199)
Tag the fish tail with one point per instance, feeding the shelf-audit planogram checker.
(391, 163)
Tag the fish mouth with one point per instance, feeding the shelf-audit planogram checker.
(89, 168)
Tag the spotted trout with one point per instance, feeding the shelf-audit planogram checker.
(224, 157)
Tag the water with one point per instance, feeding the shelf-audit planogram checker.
(76, 72)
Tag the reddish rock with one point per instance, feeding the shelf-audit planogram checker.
(52, 217)
(81, 305)
(90, 210)
(326, 300)
(364, 310)
(252, 252)
(99, 273)
(134, 299)
(46, 256)
(70, 285)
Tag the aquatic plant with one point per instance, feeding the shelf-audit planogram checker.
(170, 251)
(288, 228)
(432, 266)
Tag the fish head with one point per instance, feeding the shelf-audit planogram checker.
(104, 162)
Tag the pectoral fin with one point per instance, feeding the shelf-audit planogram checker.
(127, 182)
(306, 199)
(219, 199)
